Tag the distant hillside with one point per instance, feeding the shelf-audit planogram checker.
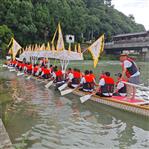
(34, 21)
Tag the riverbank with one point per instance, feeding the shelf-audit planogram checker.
(5, 142)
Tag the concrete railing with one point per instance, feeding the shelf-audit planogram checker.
(127, 45)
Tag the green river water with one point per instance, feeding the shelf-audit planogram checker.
(36, 117)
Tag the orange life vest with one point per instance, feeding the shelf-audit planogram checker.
(76, 75)
(89, 78)
(35, 69)
(46, 71)
(29, 67)
(109, 85)
(59, 76)
(22, 65)
(58, 73)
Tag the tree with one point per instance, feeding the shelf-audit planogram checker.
(5, 37)
(35, 21)
(132, 18)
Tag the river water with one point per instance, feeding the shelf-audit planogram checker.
(40, 118)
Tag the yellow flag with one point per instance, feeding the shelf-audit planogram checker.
(20, 51)
(38, 47)
(35, 47)
(29, 48)
(53, 47)
(60, 42)
(69, 48)
(48, 48)
(54, 36)
(15, 48)
(96, 49)
(75, 48)
(10, 46)
(42, 47)
(79, 48)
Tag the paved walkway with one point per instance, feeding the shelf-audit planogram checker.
(5, 142)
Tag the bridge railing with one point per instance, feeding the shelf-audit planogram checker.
(126, 44)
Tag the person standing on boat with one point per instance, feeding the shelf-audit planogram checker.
(120, 86)
(106, 86)
(131, 71)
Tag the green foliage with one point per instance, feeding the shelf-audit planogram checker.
(35, 21)
(5, 36)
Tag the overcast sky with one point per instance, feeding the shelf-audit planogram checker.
(139, 9)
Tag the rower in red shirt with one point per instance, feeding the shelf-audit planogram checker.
(57, 74)
(88, 82)
(35, 69)
(106, 86)
(29, 68)
(45, 73)
(22, 65)
(77, 75)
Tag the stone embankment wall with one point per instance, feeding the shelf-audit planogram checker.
(5, 142)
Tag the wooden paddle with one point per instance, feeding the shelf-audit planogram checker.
(28, 78)
(4, 66)
(62, 87)
(12, 70)
(49, 84)
(10, 67)
(135, 85)
(68, 91)
(20, 73)
(86, 97)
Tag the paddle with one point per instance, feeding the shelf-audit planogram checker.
(62, 87)
(20, 73)
(49, 84)
(12, 70)
(28, 78)
(4, 66)
(135, 85)
(68, 91)
(86, 97)
(10, 67)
